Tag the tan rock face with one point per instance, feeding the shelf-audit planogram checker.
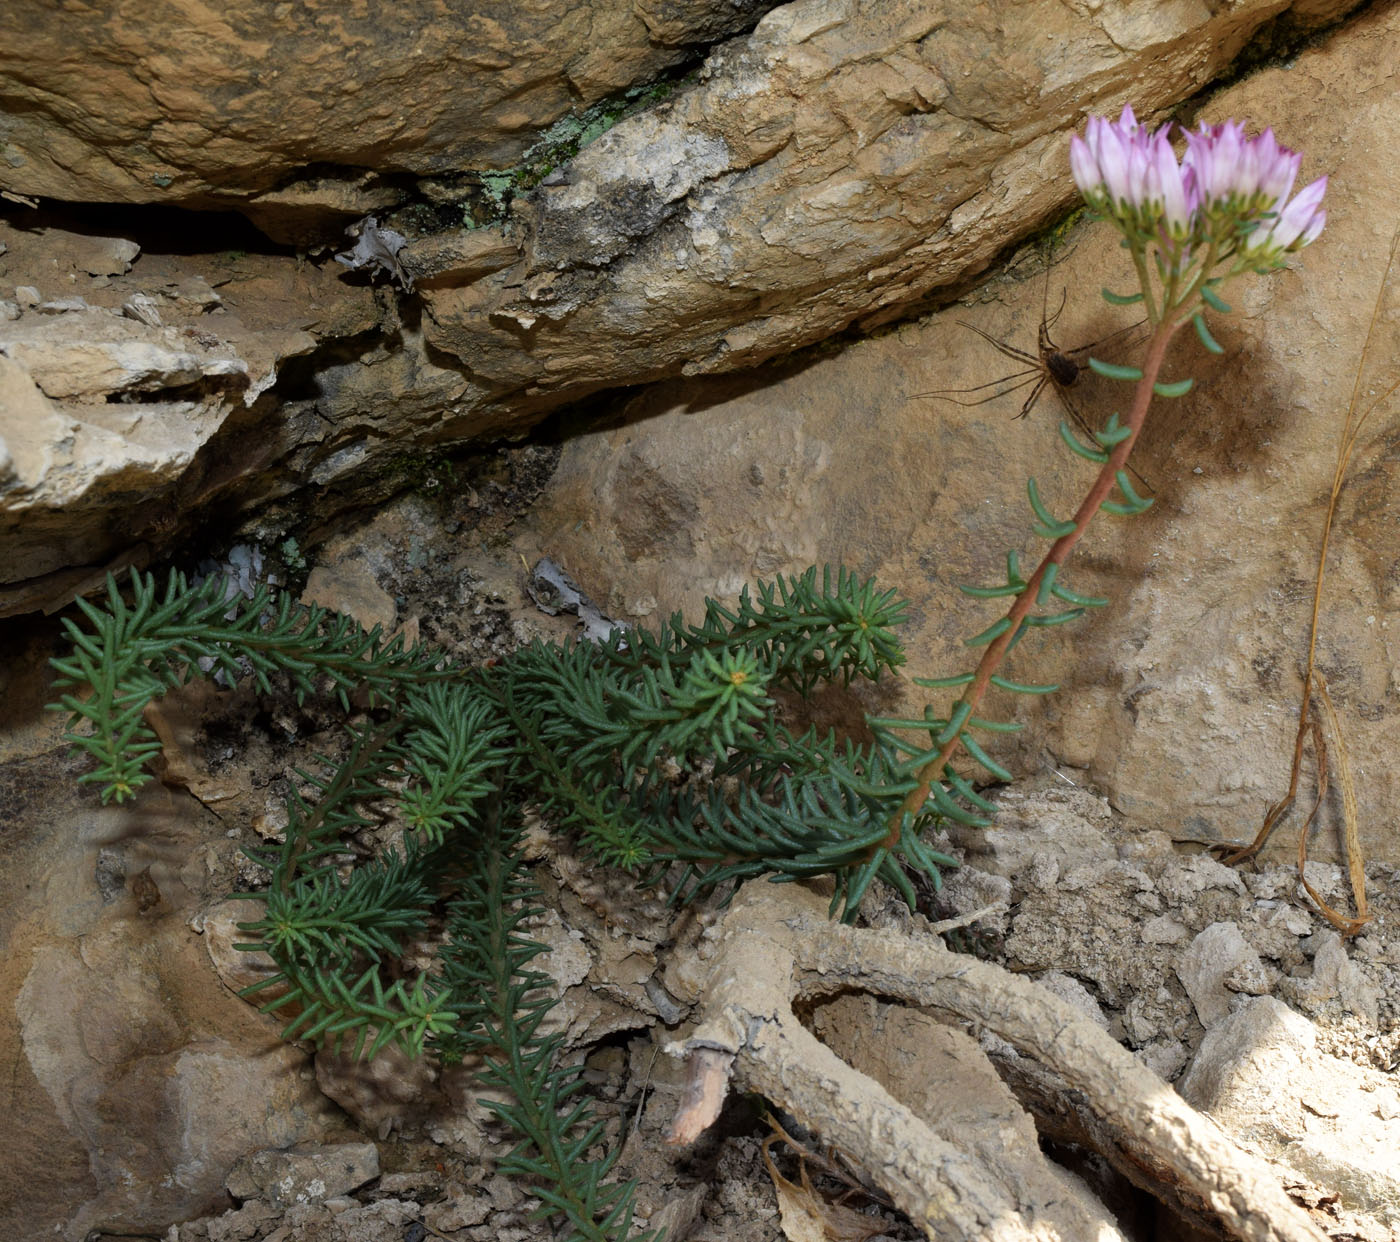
(180, 103)
(831, 168)
(837, 165)
(138, 1079)
(129, 395)
(1180, 700)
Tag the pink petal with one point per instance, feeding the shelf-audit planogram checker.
(1297, 220)
(1084, 167)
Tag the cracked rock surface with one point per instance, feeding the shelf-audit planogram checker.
(300, 113)
(832, 165)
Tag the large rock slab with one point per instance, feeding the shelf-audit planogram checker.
(130, 392)
(137, 1079)
(1261, 1075)
(834, 167)
(1180, 700)
(177, 102)
(839, 164)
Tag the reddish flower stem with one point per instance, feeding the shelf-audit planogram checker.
(1058, 554)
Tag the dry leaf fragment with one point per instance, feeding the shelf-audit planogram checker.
(807, 1217)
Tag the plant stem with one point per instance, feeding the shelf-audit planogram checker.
(1058, 554)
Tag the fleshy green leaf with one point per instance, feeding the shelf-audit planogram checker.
(1177, 389)
(1213, 299)
(1111, 370)
(1203, 332)
(1074, 446)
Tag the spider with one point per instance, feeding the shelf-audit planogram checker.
(1048, 365)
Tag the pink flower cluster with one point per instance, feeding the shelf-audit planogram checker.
(1226, 188)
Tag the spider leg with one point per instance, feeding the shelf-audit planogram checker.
(1035, 394)
(1083, 424)
(1001, 346)
(1104, 340)
(950, 394)
(1048, 322)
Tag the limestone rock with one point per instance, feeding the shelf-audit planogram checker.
(306, 1173)
(1163, 930)
(163, 1110)
(1071, 991)
(236, 968)
(95, 354)
(384, 1094)
(899, 173)
(283, 107)
(1203, 969)
(135, 1078)
(838, 164)
(31, 431)
(106, 256)
(350, 588)
(1260, 1074)
(337, 1220)
(705, 233)
(116, 426)
(968, 890)
(457, 258)
(1335, 977)
(1181, 698)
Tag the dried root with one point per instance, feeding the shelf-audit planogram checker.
(953, 1178)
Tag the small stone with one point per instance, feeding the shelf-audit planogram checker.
(1336, 976)
(1163, 930)
(235, 967)
(9, 310)
(668, 1008)
(270, 823)
(1150, 843)
(242, 1224)
(195, 293)
(350, 588)
(406, 1183)
(1073, 992)
(1187, 877)
(62, 306)
(307, 1173)
(1213, 955)
(1268, 883)
(103, 256)
(1042, 872)
(1142, 1021)
(1325, 877)
(1251, 977)
(968, 889)
(142, 307)
(1164, 1057)
(677, 1216)
(382, 1093)
(1290, 918)
(458, 1212)
(1088, 875)
(27, 296)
